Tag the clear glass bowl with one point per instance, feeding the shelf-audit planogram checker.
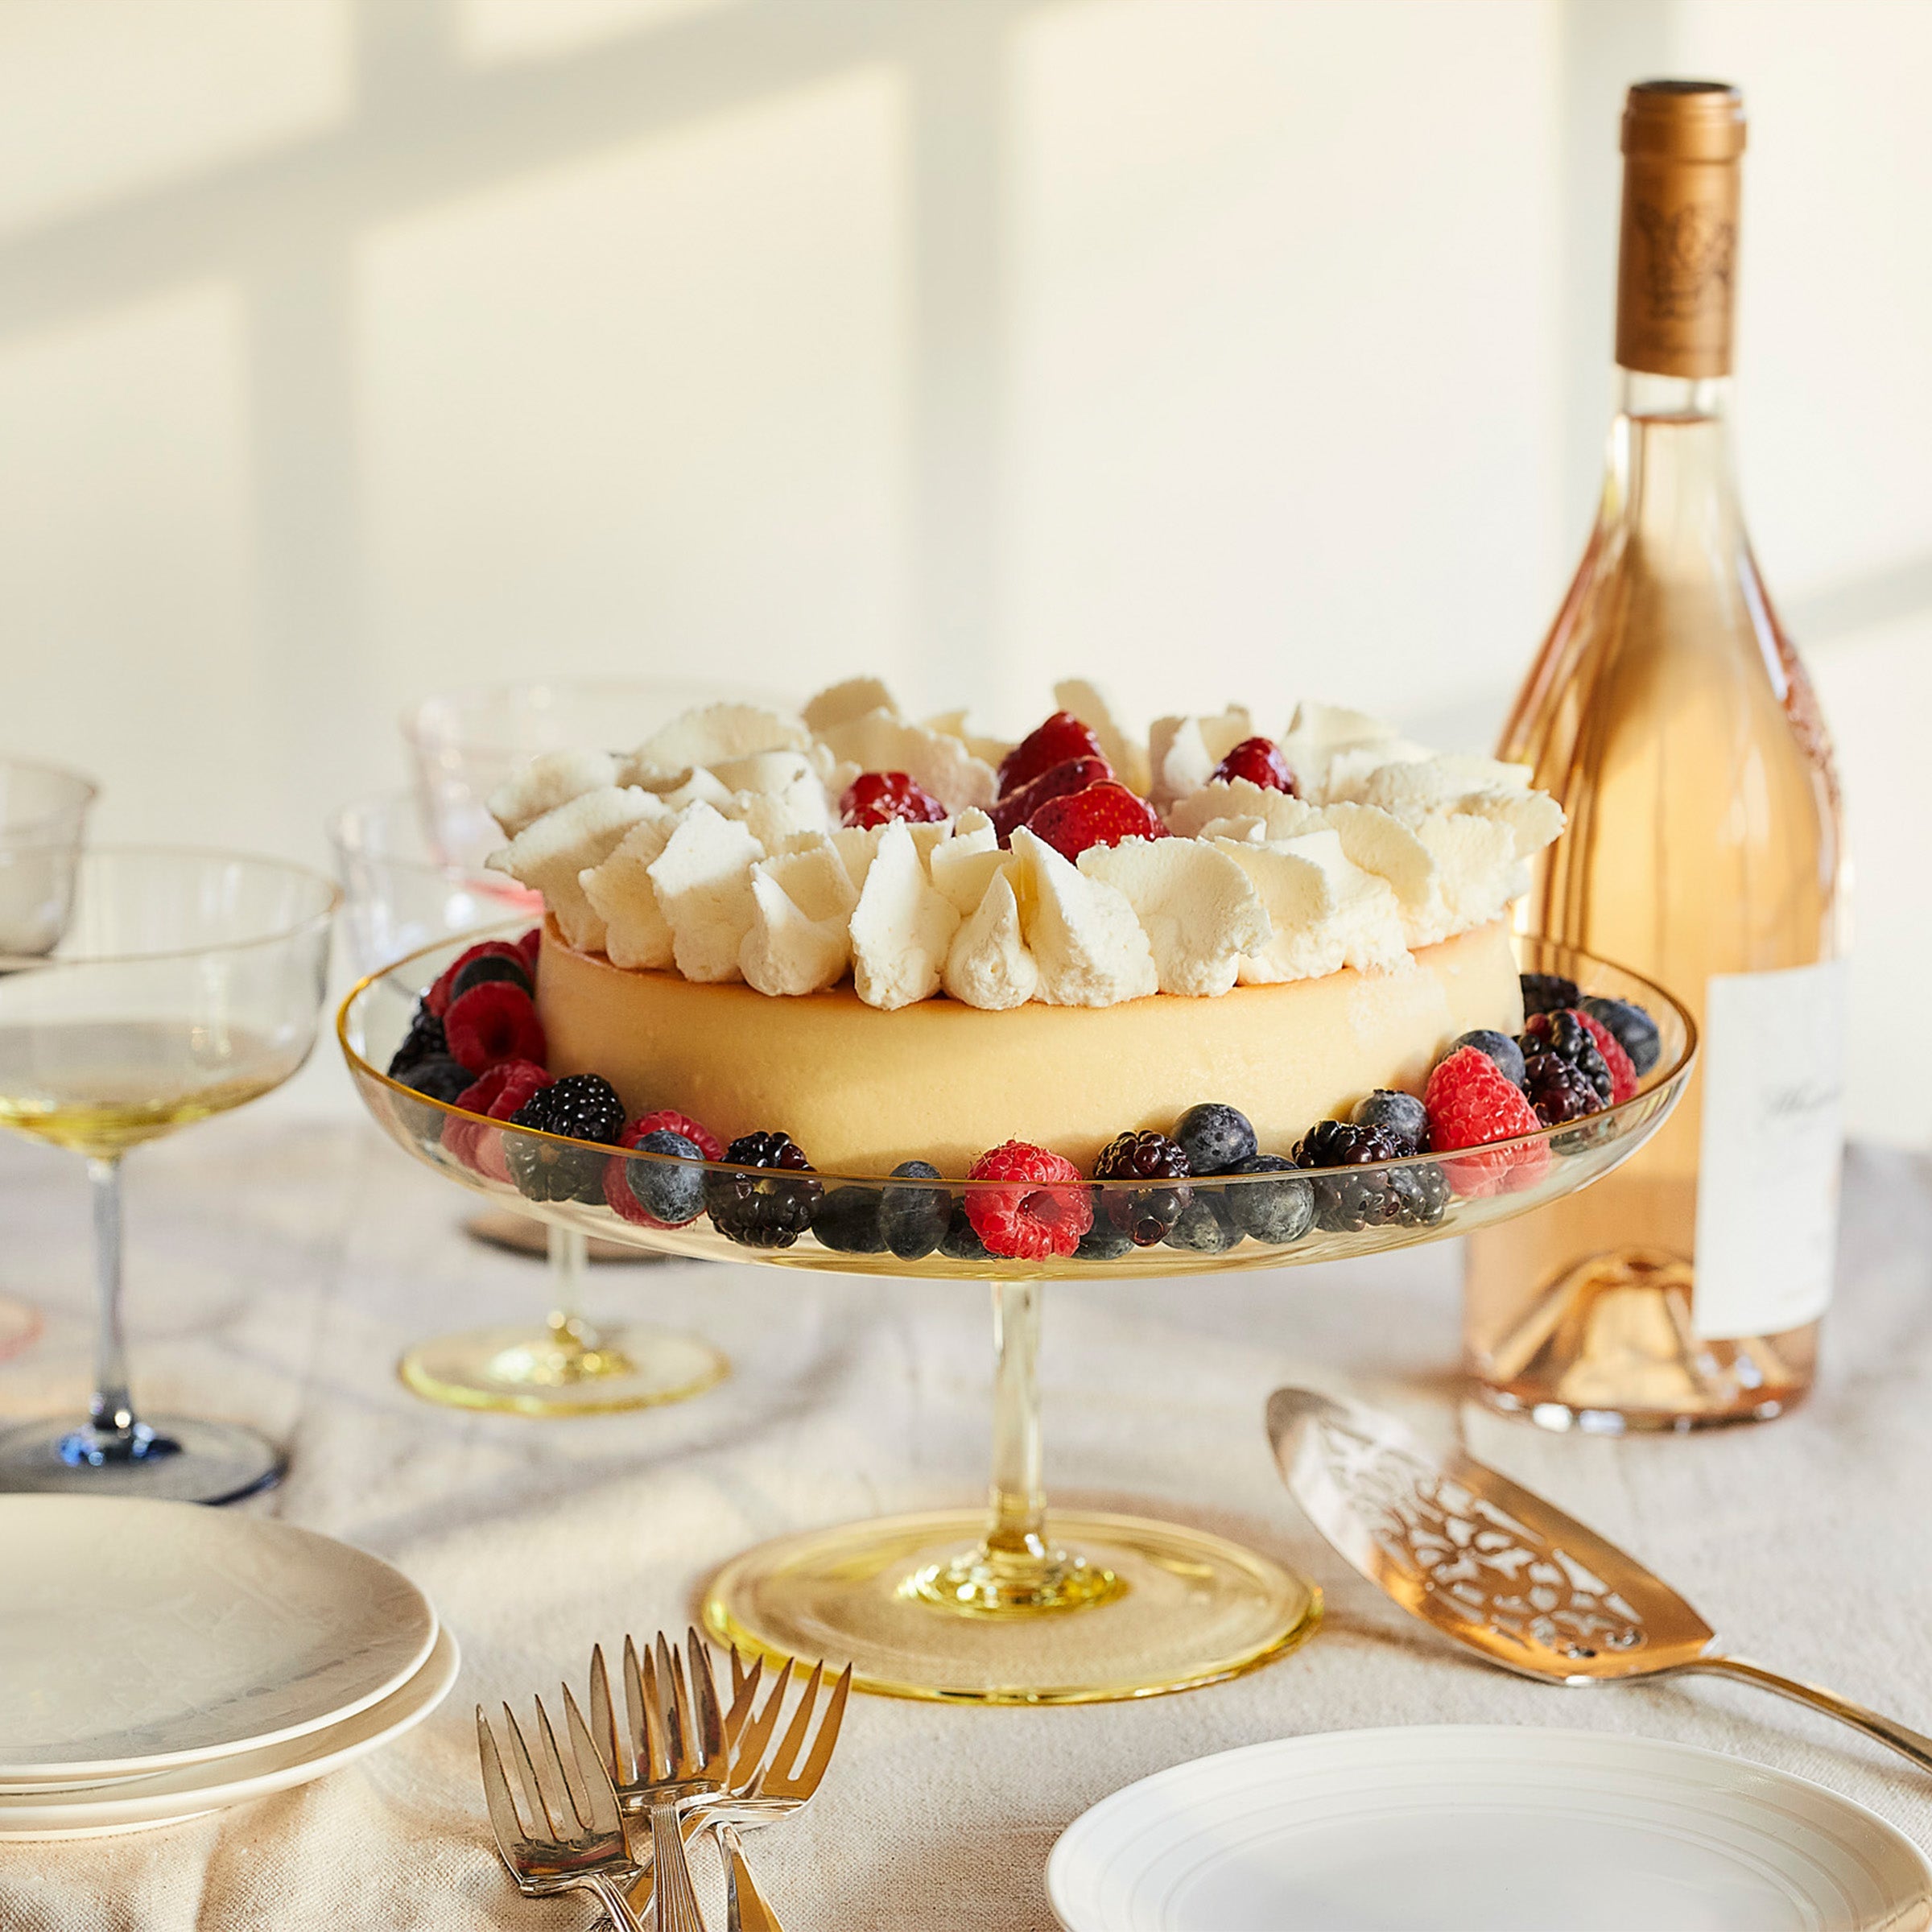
(917, 1606)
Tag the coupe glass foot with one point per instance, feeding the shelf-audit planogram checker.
(170, 1459)
(546, 1370)
(1138, 1607)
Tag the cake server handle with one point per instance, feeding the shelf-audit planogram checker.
(1901, 1737)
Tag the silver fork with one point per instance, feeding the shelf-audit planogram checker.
(669, 1755)
(574, 1839)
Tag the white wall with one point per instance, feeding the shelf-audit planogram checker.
(353, 349)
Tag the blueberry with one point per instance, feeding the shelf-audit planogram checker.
(962, 1242)
(1400, 1114)
(491, 966)
(1206, 1227)
(914, 1220)
(848, 1219)
(672, 1194)
(1214, 1137)
(1275, 1212)
(1498, 1047)
(1103, 1242)
(1630, 1027)
(438, 1077)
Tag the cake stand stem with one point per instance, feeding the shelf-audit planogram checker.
(577, 1353)
(1017, 1568)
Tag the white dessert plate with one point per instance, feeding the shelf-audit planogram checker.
(1489, 1828)
(137, 1636)
(168, 1797)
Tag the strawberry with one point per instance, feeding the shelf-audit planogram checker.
(1062, 736)
(877, 798)
(494, 1022)
(1623, 1072)
(1471, 1101)
(1038, 1215)
(1260, 761)
(1017, 808)
(1102, 814)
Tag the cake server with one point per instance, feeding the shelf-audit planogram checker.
(1502, 1571)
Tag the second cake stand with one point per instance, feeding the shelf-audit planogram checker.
(1018, 1603)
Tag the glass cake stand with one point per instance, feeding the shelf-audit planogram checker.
(1016, 1603)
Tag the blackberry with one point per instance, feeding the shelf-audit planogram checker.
(668, 1190)
(1565, 1035)
(763, 1213)
(1400, 1115)
(1559, 1091)
(1498, 1047)
(1146, 1213)
(1422, 1194)
(1630, 1027)
(1103, 1242)
(1214, 1137)
(1352, 1189)
(914, 1220)
(438, 1077)
(847, 1220)
(1275, 1212)
(1547, 992)
(491, 966)
(961, 1241)
(1205, 1227)
(584, 1107)
(425, 1040)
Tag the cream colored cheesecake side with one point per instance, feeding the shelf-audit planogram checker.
(860, 1090)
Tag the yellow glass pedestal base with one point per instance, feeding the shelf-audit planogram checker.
(1186, 1608)
(548, 1372)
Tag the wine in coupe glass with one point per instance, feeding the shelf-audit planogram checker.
(1670, 717)
(185, 984)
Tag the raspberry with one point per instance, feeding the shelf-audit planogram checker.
(530, 945)
(496, 1095)
(1017, 808)
(763, 1213)
(491, 1022)
(1260, 761)
(877, 798)
(1567, 1035)
(1102, 814)
(1623, 1075)
(442, 995)
(1558, 1090)
(1040, 1214)
(1147, 1214)
(1471, 1101)
(668, 1120)
(1062, 736)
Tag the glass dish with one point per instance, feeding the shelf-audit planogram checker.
(919, 1607)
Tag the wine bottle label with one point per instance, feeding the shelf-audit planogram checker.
(1773, 1135)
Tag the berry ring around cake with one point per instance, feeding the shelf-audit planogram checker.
(705, 1013)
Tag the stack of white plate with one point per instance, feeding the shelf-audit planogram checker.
(160, 1660)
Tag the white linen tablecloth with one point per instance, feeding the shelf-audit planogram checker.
(276, 1272)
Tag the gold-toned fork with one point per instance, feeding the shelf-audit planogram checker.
(574, 1839)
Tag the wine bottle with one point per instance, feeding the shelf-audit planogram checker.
(1669, 714)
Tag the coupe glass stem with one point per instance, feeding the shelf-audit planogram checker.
(113, 1433)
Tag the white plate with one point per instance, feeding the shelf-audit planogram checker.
(1489, 1828)
(136, 1636)
(167, 1797)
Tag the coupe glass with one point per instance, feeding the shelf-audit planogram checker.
(186, 983)
(42, 823)
(399, 894)
(1014, 1604)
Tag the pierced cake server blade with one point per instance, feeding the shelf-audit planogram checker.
(1491, 1565)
